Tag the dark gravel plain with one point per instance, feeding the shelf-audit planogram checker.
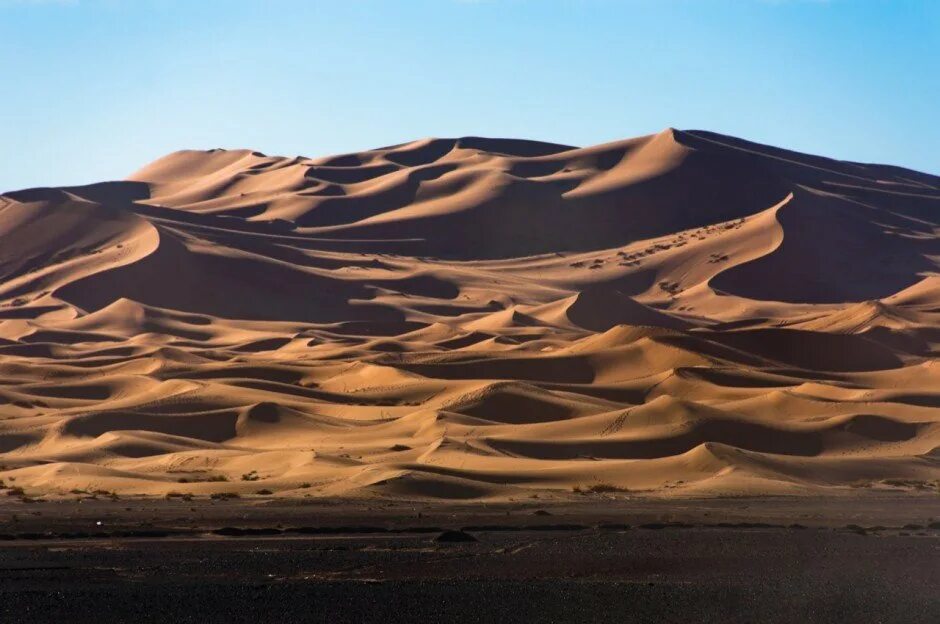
(735, 560)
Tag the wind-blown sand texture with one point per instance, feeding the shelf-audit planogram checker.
(679, 314)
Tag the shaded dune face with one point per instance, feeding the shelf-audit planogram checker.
(682, 313)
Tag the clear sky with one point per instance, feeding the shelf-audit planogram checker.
(93, 89)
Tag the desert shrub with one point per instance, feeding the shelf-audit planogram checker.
(602, 488)
(224, 495)
(597, 488)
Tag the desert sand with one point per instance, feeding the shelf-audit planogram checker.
(681, 314)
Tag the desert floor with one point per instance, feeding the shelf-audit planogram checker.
(604, 559)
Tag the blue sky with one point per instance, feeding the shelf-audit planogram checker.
(94, 89)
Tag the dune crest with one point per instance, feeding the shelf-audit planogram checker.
(678, 314)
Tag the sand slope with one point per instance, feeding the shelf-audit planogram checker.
(683, 313)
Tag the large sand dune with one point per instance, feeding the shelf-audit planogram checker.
(683, 313)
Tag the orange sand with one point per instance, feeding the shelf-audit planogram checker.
(683, 313)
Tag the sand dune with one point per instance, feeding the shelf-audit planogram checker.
(683, 313)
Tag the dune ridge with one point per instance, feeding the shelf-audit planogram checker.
(678, 314)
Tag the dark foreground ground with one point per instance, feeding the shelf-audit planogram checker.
(871, 559)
